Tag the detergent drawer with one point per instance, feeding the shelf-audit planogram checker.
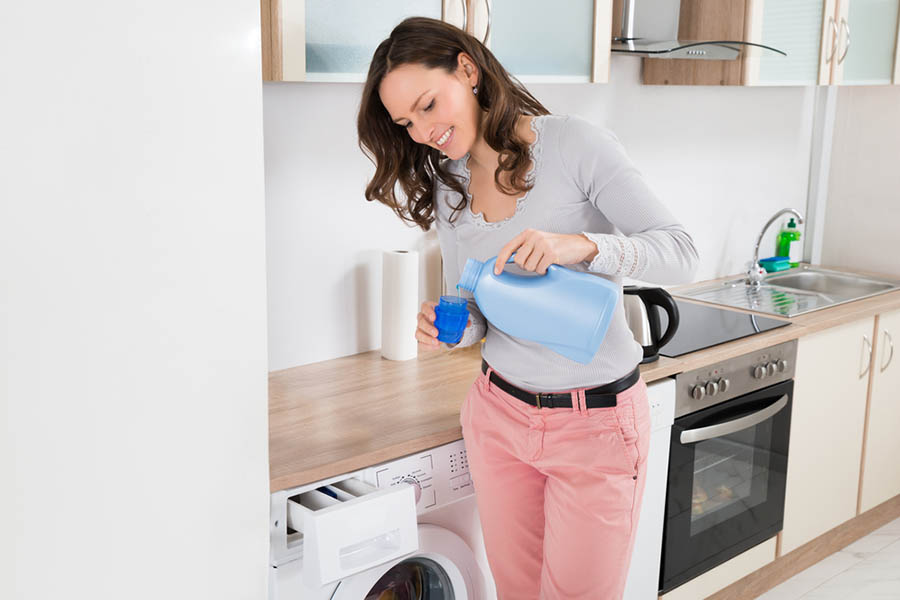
(349, 526)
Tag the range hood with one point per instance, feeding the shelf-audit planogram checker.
(650, 29)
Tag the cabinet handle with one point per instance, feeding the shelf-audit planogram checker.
(846, 26)
(465, 7)
(487, 32)
(868, 360)
(890, 342)
(834, 38)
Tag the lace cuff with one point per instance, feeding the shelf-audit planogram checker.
(617, 255)
(472, 334)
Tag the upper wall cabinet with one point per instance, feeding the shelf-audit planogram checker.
(815, 35)
(867, 42)
(544, 42)
(322, 40)
(798, 28)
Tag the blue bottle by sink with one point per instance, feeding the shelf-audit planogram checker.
(564, 310)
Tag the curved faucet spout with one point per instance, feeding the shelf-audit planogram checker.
(756, 273)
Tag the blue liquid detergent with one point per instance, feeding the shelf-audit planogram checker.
(564, 310)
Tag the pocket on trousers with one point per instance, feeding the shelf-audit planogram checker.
(466, 407)
(628, 438)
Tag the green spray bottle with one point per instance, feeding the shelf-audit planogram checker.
(788, 243)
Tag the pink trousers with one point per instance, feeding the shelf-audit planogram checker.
(558, 490)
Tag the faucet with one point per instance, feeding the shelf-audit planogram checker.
(756, 273)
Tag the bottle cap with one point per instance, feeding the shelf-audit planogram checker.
(791, 224)
(470, 274)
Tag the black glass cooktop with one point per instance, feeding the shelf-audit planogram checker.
(702, 326)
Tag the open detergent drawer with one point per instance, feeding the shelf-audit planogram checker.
(349, 526)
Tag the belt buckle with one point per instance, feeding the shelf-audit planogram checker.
(538, 397)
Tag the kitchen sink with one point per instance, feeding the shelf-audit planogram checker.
(830, 283)
(794, 292)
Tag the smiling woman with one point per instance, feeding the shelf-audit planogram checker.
(427, 81)
(557, 448)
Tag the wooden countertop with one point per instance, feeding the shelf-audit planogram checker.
(349, 413)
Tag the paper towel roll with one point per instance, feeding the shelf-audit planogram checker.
(399, 304)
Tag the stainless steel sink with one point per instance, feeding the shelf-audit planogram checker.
(795, 292)
(830, 283)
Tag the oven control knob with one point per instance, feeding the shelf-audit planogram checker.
(771, 368)
(782, 365)
(698, 391)
(759, 372)
(723, 385)
(712, 388)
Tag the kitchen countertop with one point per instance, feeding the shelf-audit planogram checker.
(349, 413)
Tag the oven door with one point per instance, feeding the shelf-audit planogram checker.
(725, 492)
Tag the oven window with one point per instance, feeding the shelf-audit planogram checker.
(731, 475)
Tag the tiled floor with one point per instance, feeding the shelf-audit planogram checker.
(867, 569)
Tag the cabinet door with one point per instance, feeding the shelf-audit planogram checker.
(323, 40)
(826, 440)
(538, 41)
(881, 473)
(868, 37)
(804, 29)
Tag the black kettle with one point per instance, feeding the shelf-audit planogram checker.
(643, 318)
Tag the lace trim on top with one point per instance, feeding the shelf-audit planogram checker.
(534, 151)
(618, 256)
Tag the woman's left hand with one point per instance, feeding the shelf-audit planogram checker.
(537, 250)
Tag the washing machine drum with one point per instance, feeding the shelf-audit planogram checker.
(444, 568)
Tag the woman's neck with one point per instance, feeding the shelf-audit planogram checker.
(483, 157)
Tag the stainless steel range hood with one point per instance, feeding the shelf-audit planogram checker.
(650, 29)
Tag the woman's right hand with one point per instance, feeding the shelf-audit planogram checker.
(426, 332)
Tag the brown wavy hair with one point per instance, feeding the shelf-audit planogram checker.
(397, 158)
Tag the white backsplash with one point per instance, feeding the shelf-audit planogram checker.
(723, 158)
(864, 186)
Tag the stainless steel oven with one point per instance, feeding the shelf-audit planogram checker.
(728, 461)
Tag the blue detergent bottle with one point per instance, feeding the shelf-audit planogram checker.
(564, 310)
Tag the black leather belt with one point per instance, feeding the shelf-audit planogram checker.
(603, 396)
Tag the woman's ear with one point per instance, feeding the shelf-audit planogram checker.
(467, 68)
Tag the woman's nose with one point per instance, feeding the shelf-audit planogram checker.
(423, 133)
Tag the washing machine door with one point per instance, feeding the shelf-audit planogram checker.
(443, 568)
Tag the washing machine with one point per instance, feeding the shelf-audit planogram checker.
(406, 528)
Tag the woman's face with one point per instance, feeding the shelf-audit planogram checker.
(436, 108)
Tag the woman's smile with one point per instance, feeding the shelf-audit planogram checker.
(445, 138)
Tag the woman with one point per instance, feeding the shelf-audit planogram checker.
(559, 481)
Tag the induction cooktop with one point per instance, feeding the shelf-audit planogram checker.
(702, 326)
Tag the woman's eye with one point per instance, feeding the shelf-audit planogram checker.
(408, 125)
(430, 105)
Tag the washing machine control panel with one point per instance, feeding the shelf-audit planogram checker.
(439, 475)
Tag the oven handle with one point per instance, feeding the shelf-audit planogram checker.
(692, 436)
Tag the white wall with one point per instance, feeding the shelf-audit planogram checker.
(133, 435)
(862, 218)
(724, 160)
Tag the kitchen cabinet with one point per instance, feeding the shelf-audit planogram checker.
(880, 479)
(320, 40)
(537, 41)
(827, 422)
(804, 29)
(867, 42)
(842, 42)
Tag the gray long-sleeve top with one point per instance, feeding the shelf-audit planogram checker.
(583, 183)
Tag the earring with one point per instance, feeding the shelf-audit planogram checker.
(475, 90)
